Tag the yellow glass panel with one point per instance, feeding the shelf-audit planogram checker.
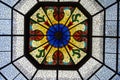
(76, 18)
(40, 17)
(39, 27)
(40, 53)
(67, 13)
(75, 56)
(40, 42)
(50, 12)
(65, 54)
(66, 58)
(80, 27)
(49, 57)
(78, 44)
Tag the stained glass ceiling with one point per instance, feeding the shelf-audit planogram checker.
(59, 40)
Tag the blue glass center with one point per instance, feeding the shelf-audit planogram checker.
(58, 35)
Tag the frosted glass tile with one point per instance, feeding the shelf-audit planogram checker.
(25, 5)
(18, 47)
(106, 3)
(5, 27)
(45, 75)
(28, 70)
(91, 6)
(97, 48)
(73, 75)
(18, 23)
(49, 0)
(5, 58)
(119, 63)
(20, 77)
(89, 68)
(68, 0)
(10, 72)
(94, 78)
(103, 73)
(5, 12)
(110, 45)
(117, 77)
(5, 43)
(110, 14)
(111, 28)
(110, 58)
(98, 24)
(10, 2)
(1, 77)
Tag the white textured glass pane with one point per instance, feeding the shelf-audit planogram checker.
(10, 72)
(97, 48)
(45, 75)
(98, 24)
(10, 2)
(104, 73)
(5, 12)
(18, 23)
(91, 6)
(5, 27)
(5, 58)
(89, 68)
(25, 67)
(68, 75)
(110, 14)
(25, 5)
(5, 43)
(18, 47)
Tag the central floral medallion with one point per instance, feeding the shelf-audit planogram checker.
(58, 35)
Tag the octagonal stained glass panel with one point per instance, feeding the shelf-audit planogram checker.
(58, 35)
(64, 25)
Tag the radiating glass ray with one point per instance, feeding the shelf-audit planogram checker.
(40, 17)
(64, 13)
(49, 59)
(40, 53)
(76, 53)
(81, 44)
(52, 14)
(36, 29)
(83, 28)
(66, 59)
(76, 18)
(35, 42)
